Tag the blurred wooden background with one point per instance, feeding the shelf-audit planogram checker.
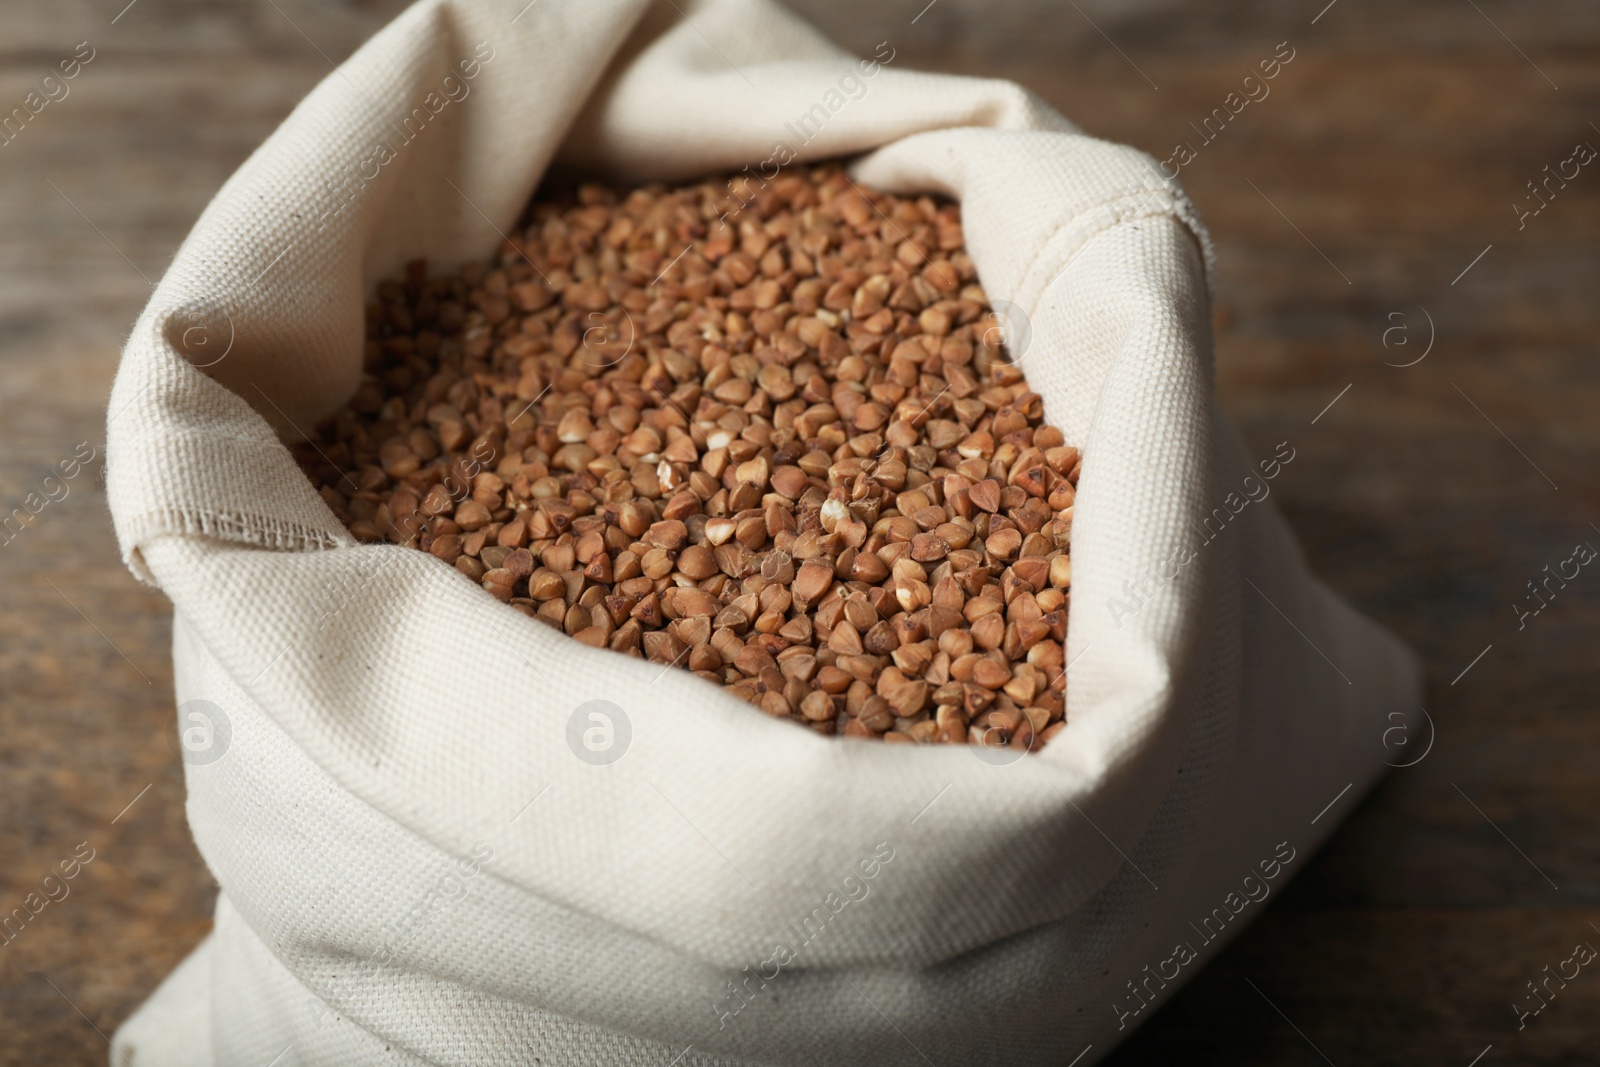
(1350, 201)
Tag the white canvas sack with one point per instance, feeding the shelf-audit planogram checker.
(429, 850)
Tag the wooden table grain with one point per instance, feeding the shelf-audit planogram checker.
(1365, 209)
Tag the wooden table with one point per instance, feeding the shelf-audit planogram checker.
(1362, 209)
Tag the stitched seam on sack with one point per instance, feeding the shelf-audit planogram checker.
(244, 527)
(238, 528)
(1175, 209)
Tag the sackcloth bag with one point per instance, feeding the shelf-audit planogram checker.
(416, 867)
